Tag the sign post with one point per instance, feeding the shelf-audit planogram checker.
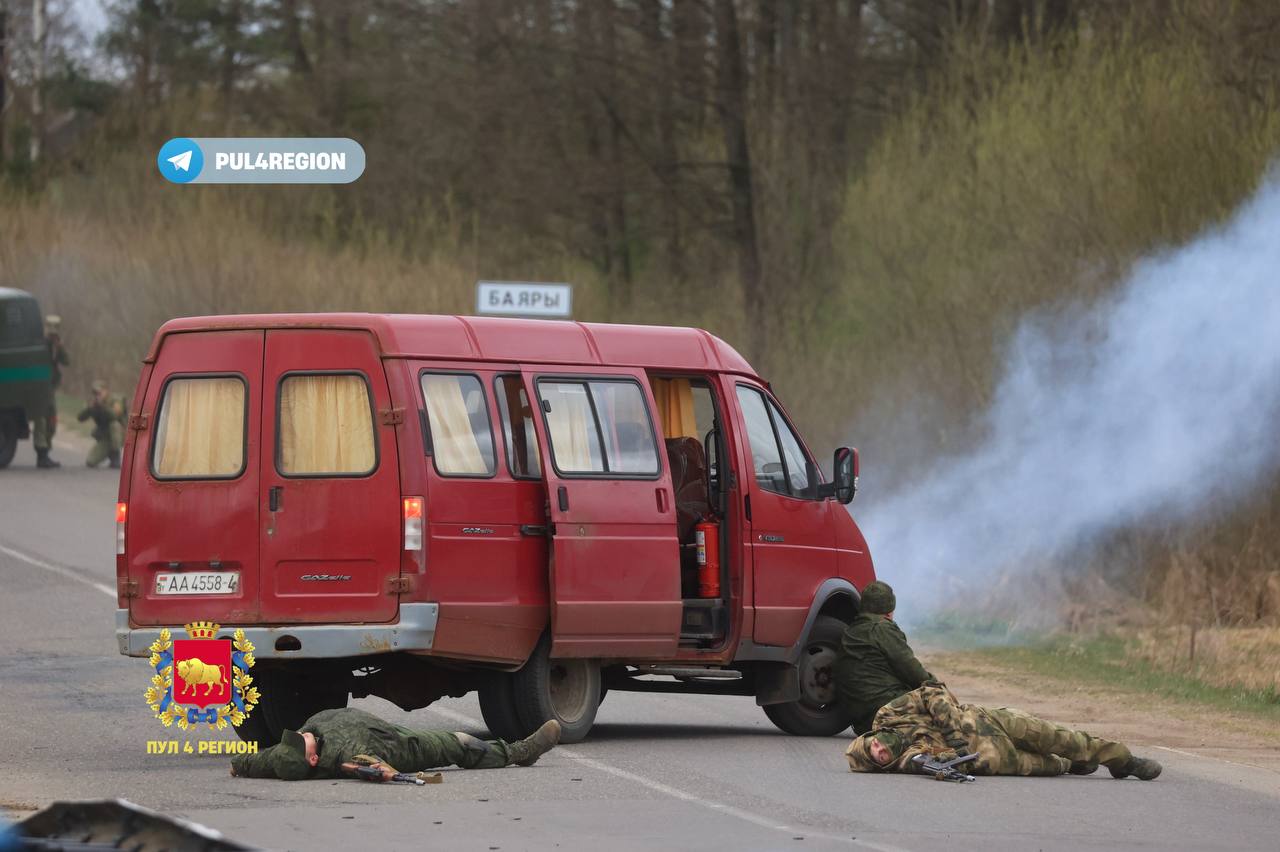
(524, 299)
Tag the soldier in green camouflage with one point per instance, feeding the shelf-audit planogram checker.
(108, 412)
(875, 664)
(929, 720)
(332, 743)
(45, 425)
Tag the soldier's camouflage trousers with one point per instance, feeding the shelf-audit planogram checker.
(1043, 748)
(42, 431)
(432, 749)
(103, 447)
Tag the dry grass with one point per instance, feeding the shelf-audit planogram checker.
(1220, 656)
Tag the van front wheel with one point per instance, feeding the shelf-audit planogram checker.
(565, 690)
(818, 712)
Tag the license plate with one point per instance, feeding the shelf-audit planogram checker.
(198, 583)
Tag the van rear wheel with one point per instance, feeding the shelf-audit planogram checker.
(498, 708)
(565, 690)
(288, 701)
(8, 440)
(818, 712)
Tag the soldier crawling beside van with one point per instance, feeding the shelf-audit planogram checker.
(875, 664)
(108, 411)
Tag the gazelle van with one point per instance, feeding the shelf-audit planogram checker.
(421, 506)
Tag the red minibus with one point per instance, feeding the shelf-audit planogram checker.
(420, 506)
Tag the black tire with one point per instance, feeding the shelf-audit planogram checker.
(818, 712)
(288, 701)
(8, 441)
(565, 690)
(254, 729)
(498, 707)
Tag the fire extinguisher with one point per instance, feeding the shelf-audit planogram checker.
(707, 536)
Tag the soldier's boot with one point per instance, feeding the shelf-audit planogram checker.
(113, 459)
(1142, 768)
(527, 751)
(43, 460)
(1082, 767)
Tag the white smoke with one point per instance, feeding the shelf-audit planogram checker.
(1161, 401)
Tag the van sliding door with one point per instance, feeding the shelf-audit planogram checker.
(615, 568)
(330, 493)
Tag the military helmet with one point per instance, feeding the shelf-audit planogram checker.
(289, 759)
(52, 321)
(98, 386)
(859, 751)
(878, 598)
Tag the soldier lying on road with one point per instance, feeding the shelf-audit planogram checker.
(333, 743)
(875, 664)
(929, 720)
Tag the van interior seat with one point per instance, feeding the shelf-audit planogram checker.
(689, 484)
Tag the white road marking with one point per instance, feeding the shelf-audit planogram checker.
(58, 569)
(682, 795)
(1211, 757)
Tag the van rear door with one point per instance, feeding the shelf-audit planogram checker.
(193, 489)
(330, 482)
(615, 575)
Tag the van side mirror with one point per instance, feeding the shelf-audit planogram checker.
(845, 473)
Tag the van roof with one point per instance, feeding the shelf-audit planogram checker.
(10, 293)
(497, 339)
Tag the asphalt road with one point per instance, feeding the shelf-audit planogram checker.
(659, 772)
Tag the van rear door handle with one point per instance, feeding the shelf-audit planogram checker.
(273, 498)
(533, 529)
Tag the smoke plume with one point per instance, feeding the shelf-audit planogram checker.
(1159, 402)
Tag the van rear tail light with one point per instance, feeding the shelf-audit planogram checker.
(412, 523)
(122, 515)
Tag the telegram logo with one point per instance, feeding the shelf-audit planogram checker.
(180, 160)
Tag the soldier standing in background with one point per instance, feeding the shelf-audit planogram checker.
(930, 721)
(44, 426)
(108, 413)
(875, 664)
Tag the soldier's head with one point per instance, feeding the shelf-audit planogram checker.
(874, 751)
(53, 325)
(877, 598)
(293, 758)
(100, 389)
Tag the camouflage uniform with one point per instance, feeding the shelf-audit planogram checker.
(45, 425)
(348, 735)
(875, 665)
(108, 411)
(929, 720)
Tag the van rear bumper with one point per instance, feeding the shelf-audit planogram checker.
(415, 631)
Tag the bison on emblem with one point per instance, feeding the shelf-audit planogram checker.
(194, 672)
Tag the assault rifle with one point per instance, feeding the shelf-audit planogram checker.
(929, 765)
(376, 774)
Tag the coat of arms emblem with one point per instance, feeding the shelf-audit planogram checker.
(202, 678)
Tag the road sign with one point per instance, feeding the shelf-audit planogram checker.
(524, 299)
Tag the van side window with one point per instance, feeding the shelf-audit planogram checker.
(200, 429)
(325, 426)
(461, 436)
(518, 429)
(780, 463)
(599, 426)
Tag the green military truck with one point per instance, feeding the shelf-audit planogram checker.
(25, 371)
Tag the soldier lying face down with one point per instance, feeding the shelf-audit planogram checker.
(332, 743)
(929, 720)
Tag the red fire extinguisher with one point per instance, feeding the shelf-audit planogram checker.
(707, 536)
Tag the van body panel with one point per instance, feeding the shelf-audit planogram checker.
(332, 547)
(852, 554)
(177, 525)
(792, 548)
(488, 577)
(615, 563)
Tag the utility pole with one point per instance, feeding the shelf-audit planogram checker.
(37, 82)
(4, 77)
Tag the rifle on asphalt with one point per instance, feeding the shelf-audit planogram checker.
(378, 775)
(944, 771)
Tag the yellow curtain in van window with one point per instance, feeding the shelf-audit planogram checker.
(675, 408)
(457, 448)
(326, 425)
(201, 428)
